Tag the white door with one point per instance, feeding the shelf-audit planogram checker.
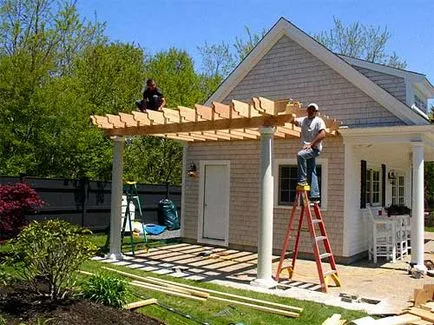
(215, 203)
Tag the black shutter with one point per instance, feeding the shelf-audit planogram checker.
(383, 185)
(363, 184)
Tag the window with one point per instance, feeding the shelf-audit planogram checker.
(373, 187)
(420, 103)
(398, 192)
(287, 183)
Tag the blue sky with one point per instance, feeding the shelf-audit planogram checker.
(158, 25)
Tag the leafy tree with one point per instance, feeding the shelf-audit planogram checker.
(243, 48)
(153, 159)
(218, 60)
(39, 40)
(360, 41)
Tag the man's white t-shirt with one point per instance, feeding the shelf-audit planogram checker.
(310, 128)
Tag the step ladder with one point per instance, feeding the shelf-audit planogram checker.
(319, 239)
(132, 196)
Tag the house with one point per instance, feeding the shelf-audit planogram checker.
(242, 195)
(388, 132)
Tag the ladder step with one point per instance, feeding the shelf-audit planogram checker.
(325, 255)
(320, 238)
(316, 221)
(326, 274)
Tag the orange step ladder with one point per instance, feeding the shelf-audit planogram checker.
(314, 224)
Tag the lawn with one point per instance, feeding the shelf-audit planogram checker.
(429, 229)
(210, 311)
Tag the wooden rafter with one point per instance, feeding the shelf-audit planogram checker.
(220, 122)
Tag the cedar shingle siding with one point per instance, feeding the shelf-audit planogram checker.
(287, 70)
(392, 84)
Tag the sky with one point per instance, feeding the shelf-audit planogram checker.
(158, 25)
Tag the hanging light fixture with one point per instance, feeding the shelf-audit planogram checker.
(192, 170)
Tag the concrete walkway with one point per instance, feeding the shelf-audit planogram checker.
(388, 284)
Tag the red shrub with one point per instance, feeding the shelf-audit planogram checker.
(16, 200)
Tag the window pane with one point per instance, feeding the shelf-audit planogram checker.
(288, 183)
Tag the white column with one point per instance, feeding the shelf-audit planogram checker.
(417, 209)
(265, 239)
(116, 200)
(184, 186)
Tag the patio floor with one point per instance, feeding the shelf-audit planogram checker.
(388, 283)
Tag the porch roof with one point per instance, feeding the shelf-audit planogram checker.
(237, 121)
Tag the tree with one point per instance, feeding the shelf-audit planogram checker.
(39, 41)
(360, 41)
(218, 60)
(159, 160)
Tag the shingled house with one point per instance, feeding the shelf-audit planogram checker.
(240, 190)
(387, 133)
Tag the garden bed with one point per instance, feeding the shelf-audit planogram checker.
(19, 304)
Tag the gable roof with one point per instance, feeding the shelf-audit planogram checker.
(284, 28)
(411, 78)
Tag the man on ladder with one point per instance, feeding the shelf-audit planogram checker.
(312, 134)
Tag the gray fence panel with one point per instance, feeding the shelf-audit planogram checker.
(87, 203)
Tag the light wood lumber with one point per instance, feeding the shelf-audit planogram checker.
(204, 112)
(142, 118)
(429, 290)
(140, 303)
(102, 122)
(288, 307)
(421, 322)
(419, 297)
(175, 287)
(258, 307)
(245, 109)
(237, 121)
(197, 293)
(368, 320)
(333, 320)
(128, 119)
(115, 120)
(166, 291)
(424, 314)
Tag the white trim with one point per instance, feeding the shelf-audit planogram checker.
(292, 161)
(285, 28)
(382, 68)
(184, 187)
(202, 165)
(391, 134)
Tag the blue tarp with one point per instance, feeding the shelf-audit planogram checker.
(152, 229)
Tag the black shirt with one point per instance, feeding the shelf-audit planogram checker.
(153, 98)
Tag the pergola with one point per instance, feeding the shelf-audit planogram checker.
(260, 118)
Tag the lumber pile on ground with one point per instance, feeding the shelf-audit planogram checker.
(422, 312)
(202, 294)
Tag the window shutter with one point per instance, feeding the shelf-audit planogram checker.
(363, 184)
(383, 185)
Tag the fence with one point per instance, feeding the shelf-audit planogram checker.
(87, 203)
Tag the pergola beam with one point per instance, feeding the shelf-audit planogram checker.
(221, 122)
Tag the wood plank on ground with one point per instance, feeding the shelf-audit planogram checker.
(424, 314)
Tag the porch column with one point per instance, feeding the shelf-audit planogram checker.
(265, 236)
(116, 199)
(417, 209)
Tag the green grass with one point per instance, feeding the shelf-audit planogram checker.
(429, 229)
(216, 312)
(212, 311)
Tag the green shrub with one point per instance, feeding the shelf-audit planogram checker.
(106, 289)
(50, 252)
